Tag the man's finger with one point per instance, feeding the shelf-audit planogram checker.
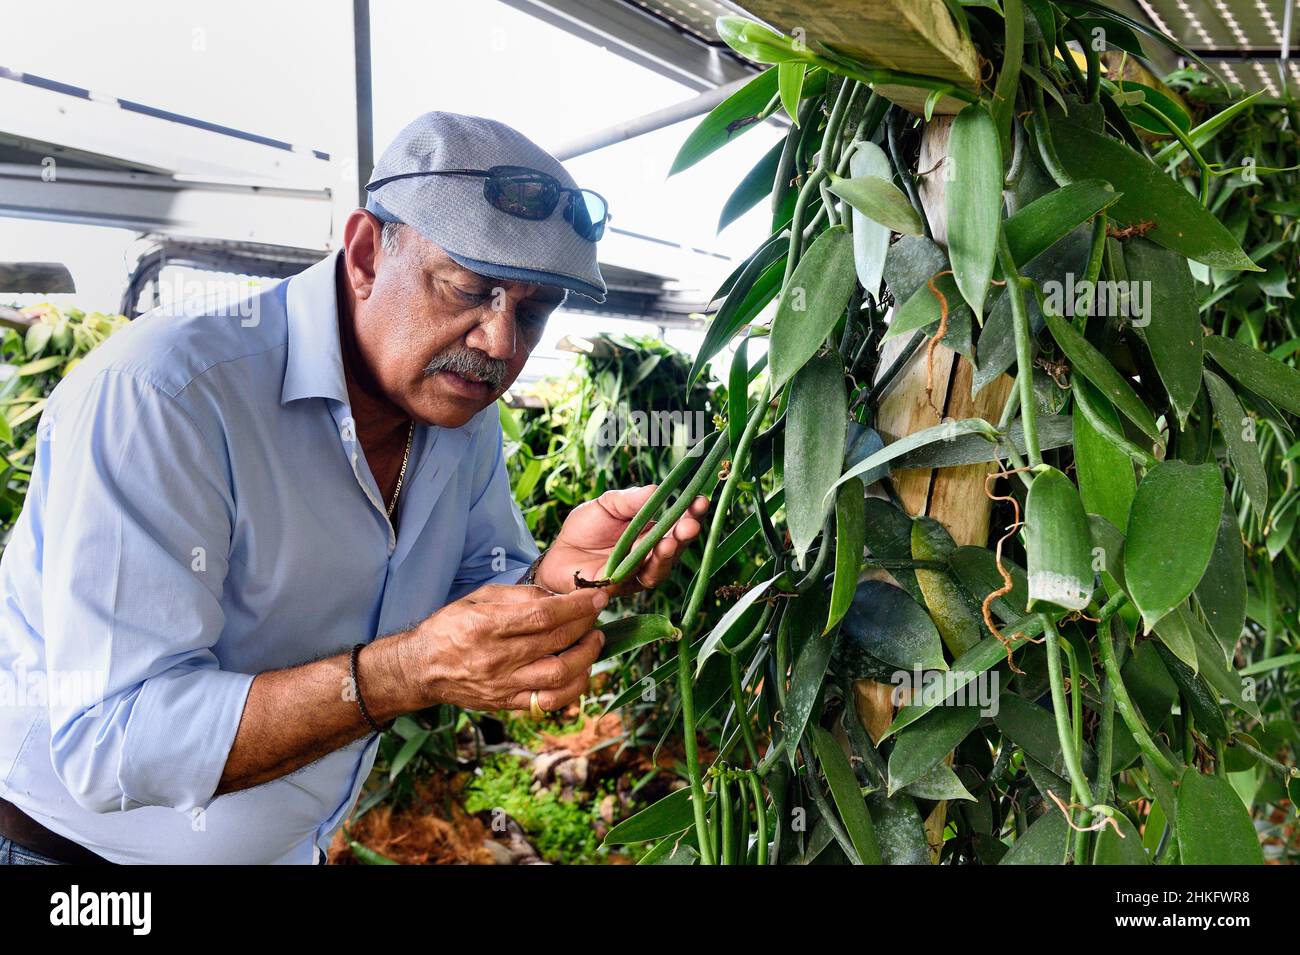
(522, 649)
(624, 504)
(553, 672)
(544, 613)
(552, 700)
(686, 529)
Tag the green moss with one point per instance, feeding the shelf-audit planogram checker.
(561, 829)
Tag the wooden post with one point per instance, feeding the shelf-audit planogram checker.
(953, 496)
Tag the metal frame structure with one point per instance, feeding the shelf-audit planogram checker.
(219, 198)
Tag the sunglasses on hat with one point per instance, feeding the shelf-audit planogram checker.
(528, 194)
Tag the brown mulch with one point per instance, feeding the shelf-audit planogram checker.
(419, 834)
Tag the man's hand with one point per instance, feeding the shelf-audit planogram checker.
(491, 649)
(591, 531)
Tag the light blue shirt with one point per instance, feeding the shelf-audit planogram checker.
(201, 512)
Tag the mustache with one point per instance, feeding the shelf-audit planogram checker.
(471, 364)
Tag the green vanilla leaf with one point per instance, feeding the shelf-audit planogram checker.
(1093, 365)
(955, 615)
(1200, 698)
(1171, 320)
(938, 783)
(805, 687)
(870, 238)
(1044, 843)
(1050, 218)
(1107, 482)
(1214, 827)
(926, 742)
(880, 201)
(947, 431)
(974, 203)
(1175, 633)
(850, 541)
(889, 625)
(732, 117)
(923, 308)
(751, 190)
(1260, 372)
(1171, 533)
(845, 791)
(1239, 437)
(1221, 593)
(1178, 221)
(811, 304)
(790, 75)
(1122, 847)
(670, 815)
(815, 432)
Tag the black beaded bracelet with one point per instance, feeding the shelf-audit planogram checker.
(356, 689)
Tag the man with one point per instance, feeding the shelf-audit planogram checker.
(226, 513)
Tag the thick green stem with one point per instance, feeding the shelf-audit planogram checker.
(812, 185)
(722, 790)
(699, 800)
(1124, 703)
(1291, 772)
(1024, 349)
(1043, 138)
(742, 711)
(1206, 175)
(1064, 731)
(1076, 721)
(1093, 57)
(760, 816)
(738, 467)
(1105, 740)
(1095, 253)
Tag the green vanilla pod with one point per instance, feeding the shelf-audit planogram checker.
(1058, 544)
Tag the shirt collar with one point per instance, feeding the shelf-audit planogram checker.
(314, 364)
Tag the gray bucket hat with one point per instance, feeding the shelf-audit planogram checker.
(451, 211)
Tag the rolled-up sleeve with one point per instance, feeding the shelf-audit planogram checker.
(498, 545)
(138, 516)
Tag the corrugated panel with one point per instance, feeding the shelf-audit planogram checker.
(1242, 39)
(696, 17)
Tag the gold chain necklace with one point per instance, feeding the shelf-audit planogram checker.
(401, 475)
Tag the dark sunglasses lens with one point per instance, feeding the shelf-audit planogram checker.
(527, 195)
(588, 212)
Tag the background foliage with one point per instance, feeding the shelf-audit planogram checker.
(32, 362)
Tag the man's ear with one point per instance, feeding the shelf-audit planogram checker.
(361, 235)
